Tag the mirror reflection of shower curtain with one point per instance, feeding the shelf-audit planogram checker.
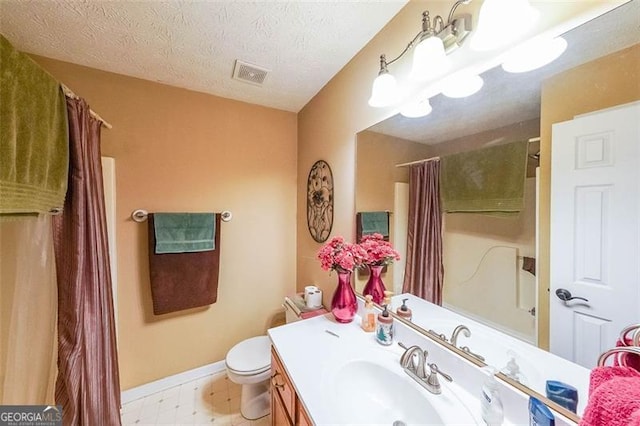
(28, 306)
(424, 271)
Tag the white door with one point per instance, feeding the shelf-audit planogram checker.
(595, 237)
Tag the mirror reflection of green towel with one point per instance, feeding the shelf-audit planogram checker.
(489, 180)
(375, 222)
(184, 232)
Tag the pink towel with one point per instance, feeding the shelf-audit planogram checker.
(311, 314)
(600, 375)
(630, 360)
(614, 397)
(614, 403)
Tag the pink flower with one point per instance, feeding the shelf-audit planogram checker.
(337, 254)
(378, 251)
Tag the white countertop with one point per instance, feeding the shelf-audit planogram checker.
(311, 357)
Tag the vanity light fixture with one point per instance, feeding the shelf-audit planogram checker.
(461, 85)
(385, 87)
(502, 21)
(417, 109)
(435, 40)
(429, 57)
(534, 54)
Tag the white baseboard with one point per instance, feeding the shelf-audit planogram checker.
(170, 381)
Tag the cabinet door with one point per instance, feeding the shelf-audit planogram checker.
(301, 415)
(281, 386)
(279, 415)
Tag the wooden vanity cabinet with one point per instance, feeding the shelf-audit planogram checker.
(286, 408)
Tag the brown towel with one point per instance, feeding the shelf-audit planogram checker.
(529, 265)
(183, 280)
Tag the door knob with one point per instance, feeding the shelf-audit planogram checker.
(565, 295)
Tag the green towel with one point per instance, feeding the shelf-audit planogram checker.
(488, 181)
(375, 222)
(34, 141)
(184, 232)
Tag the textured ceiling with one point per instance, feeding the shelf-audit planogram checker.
(193, 44)
(511, 98)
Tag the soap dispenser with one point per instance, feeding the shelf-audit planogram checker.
(512, 369)
(384, 329)
(369, 315)
(404, 311)
(387, 299)
(492, 410)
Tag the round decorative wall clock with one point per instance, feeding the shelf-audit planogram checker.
(320, 201)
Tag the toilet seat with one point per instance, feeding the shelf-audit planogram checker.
(250, 357)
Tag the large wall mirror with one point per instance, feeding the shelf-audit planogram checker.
(489, 262)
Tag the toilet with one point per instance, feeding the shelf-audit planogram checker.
(248, 364)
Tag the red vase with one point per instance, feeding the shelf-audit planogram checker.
(344, 303)
(375, 286)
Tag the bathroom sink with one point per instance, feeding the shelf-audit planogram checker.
(363, 392)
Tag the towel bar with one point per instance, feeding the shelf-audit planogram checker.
(141, 215)
(625, 331)
(628, 349)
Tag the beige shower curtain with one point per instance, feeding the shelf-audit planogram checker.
(424, 272)
(87, 386)
(27, 312)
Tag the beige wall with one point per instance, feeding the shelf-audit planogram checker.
(603, 83)
(376, 171)
(178, 150)
(327, 125)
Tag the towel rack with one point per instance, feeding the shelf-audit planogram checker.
(625, 331)
(628, 349)
(141, 215)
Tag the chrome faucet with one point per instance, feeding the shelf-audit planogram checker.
(454, 336)
(433, 384)
(454, 340)
(414, 361)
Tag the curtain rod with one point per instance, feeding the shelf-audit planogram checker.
(418, 162)
(69, 94)
(437, 158)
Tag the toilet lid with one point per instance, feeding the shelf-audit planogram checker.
(250, 355)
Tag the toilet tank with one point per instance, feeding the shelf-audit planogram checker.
(296, 310)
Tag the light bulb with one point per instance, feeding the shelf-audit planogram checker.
(384, 91)
(534, 54)
(501, 22)
(429, 59)
(462, 85)
(417, 109)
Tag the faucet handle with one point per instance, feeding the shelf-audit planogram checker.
(435, 370)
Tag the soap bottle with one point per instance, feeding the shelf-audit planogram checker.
(404, 311)
(492, 410)
(539, 414)
(369, 315)
(384, 329)
(387, 299)
(512, 369)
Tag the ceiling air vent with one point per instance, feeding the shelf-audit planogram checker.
(249, 73)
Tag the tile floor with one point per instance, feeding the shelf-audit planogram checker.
(210, 400)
